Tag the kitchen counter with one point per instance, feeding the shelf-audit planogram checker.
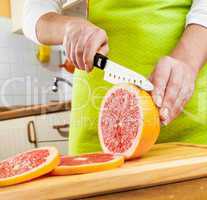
(25, 111)
(168, 171)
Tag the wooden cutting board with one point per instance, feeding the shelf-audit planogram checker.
(165, 163)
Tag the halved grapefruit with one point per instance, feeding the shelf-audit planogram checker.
(28, 165)
(87, 163)
(128, 121)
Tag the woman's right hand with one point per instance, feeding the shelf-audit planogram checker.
(82, 40)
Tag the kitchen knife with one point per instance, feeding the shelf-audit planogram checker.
(115, 73)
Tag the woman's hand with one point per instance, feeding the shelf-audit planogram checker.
(174, 83)
(174, 76)
(82, 40)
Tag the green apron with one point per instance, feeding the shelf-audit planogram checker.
(140, 32)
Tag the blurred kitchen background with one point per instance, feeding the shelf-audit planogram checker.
(31, 114)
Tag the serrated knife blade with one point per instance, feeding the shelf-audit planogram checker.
(115, 73)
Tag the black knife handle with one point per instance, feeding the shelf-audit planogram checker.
(100, 61)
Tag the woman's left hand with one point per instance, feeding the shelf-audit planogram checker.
(174, 83)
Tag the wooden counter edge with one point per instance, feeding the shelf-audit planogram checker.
(35, 110)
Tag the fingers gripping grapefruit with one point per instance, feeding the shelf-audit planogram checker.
(28, 165)
(87, 163)
(128, 121)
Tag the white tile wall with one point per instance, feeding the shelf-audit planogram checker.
(23, 79)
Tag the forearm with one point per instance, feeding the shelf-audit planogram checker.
(50, 28)
(80, 38)
(192, 47)
(33, 12)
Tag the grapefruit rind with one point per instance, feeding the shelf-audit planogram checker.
(149, 128)
(118, 161)
(52, 161)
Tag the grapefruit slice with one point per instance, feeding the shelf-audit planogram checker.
(129, 122)
(87, 163)
(28, 165)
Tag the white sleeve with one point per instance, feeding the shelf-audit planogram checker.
(198, 13)
(33, 10)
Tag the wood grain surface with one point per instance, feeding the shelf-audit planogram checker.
(195, 189)
(165, 163)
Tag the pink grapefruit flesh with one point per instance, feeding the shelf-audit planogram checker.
(87, 163)
(128, 121)
(28, 165)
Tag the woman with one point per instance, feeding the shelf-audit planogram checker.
(140, 33)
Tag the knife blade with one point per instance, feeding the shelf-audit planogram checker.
(116, 73)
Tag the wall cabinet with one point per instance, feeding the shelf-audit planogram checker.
(5, 8)
(21, 134)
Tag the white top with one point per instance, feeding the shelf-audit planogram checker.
(34, 9)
